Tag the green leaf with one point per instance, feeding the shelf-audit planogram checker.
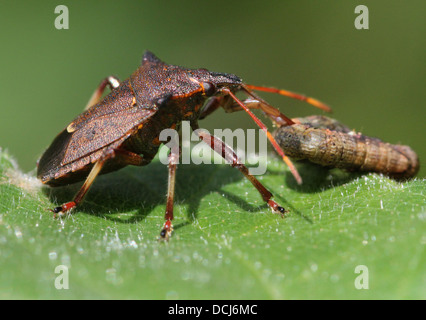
(226, 244)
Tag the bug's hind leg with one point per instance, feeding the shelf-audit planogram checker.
(111, 81)
(120, 157)
(230, 156)
(67, 207)
(128, 158)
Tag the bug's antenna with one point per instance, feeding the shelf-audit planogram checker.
(312, 101)
(291, 166)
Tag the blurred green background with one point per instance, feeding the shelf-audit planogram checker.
(373, 79)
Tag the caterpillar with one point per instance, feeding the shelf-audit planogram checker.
(327, 142)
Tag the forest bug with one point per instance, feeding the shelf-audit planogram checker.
(123, 128)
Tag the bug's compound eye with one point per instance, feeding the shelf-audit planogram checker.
(209, 88)
(57, 210)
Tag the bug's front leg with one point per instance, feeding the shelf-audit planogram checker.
(230, 156)
(230, 105)
(173, 160)
(272, 113)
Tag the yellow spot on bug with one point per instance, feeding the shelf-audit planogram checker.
(71, 128)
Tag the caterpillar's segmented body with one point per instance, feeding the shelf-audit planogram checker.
(327, 142)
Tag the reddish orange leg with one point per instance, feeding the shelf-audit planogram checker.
(272, 113)
(229, 155)
(111, 81)
(230, 105)
(291, 166)
(167, 230)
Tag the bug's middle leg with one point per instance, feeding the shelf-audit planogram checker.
(230, 156)
(172, 166)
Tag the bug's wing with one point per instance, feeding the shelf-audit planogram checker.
(111, 119)
(102, 131)
(95, 135)
(99, 126)
(119, 99)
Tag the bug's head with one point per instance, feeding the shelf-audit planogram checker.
(214, 82)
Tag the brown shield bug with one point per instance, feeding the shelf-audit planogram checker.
(124, 127)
